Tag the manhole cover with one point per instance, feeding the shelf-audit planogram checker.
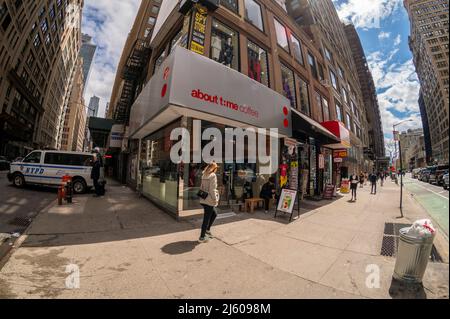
(20, 221)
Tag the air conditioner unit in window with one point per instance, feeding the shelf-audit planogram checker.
(186, 5)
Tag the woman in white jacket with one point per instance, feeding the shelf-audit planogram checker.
(209, 185)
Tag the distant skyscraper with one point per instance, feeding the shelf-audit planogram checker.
(429, 44)
(87, 52)
(94, 104)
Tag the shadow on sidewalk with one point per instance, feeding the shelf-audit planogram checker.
(180, 247)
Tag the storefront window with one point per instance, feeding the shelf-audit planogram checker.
(253, 14)
(281, 35)
(257, 64)
(159, 173)
(304, 96)
(230, 4)
(225, 45)
(297, 48)
(287, 78)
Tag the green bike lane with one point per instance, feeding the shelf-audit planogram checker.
(433, 199)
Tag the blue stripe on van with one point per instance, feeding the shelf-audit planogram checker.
(49, 166)
(40, 176)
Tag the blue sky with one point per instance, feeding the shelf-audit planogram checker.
(383, 26)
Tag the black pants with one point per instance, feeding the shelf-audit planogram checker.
(97, 187)
(374, 187)
(354, 192)
(208, 219)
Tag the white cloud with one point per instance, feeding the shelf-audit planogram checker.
(384, 35)
(398, 40)
(109, 23)
(367, 14)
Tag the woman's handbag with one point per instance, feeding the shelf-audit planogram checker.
(202, 194)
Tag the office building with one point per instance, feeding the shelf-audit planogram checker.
(94, 105)
(87, 52)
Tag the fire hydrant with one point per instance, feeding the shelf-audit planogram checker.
(65, 190)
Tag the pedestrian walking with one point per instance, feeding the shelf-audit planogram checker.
(354, 185)
(373, 182)
(268, 193)
(361, 180)
(366, 178)
(381, 178)
(209, 199)
(95, 175)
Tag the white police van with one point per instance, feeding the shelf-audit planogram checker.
(48, 168)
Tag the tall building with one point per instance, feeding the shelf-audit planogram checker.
(429, 43)
(319, 19)
(75, 119)
(238, 64)
(375, 127)
(87, 52)
(39, 45)
(426, 130)
(94, 104)
(409, 141)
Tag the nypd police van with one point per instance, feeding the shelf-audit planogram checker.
(48, 168)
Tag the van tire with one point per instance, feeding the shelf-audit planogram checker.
(79, 186)
(18, 180)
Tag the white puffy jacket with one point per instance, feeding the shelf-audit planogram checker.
(209, 185)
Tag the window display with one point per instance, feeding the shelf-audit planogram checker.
(257, 64)
(225, 45)
(287, 77)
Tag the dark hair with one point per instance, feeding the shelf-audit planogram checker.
(272, 180)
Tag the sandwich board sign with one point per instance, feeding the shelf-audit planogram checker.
(287, 202)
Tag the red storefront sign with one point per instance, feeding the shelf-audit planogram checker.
(339, 130)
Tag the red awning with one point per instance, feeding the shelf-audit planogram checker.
(339, 130)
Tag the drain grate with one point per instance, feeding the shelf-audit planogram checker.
(391, 238)
(388, 246)
(20, 221)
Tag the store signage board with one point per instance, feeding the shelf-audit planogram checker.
(286, 202)
(329, 191)
(338, 160)
(201, 84)
(321, 161)
(340, 153)
(200, 15)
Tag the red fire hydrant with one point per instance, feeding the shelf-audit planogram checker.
(65, 190)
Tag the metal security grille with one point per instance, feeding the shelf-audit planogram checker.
(391, 237)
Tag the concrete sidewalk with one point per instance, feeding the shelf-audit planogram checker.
(125, 247)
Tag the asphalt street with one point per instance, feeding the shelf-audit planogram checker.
(433, 198)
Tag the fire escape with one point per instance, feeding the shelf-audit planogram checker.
(133, 73)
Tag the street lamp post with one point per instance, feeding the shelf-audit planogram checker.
(401, 164)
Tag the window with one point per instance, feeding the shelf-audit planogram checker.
(334, 80)
(155, 10)
(281, 35)
(325, 109)
(253, 14)
(151, 20)
(312, 65)
(348, 121)
(318, 98)
(297, 48)
(304, 96)
(257, 64)
(34, 157)
(328, 55)
(345, 95)
(176, 40)
(287, 78)
(339, 112)
(340, 72)
(159, 60)
(68, 159)
(321, 74)
(282, 3)
(44, 26)
(225, 45)
(230, 4)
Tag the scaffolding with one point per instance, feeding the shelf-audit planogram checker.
(132, 73)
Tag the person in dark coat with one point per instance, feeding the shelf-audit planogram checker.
(373, 181)
(95, 175)
(268, 193)
(354, 185)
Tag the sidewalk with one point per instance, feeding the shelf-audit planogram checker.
(127, 248)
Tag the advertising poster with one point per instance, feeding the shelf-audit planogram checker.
(345, 186)
(293, 175)
(287, 201)
(199, 30)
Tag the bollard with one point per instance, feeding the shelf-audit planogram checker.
(69, 192)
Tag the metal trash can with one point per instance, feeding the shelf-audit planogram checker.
(412, 257)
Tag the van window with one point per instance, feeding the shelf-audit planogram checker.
(34, 157)
(68, 159)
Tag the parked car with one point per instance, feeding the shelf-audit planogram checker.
(415, 172)
(435, 171)
(445, 180)
(424, 174)
(48, 168)
(440, 177)
(4, 163)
